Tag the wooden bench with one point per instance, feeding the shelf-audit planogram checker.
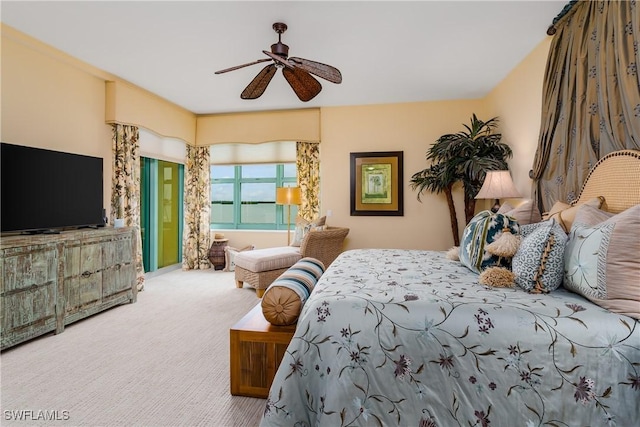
(257, 348)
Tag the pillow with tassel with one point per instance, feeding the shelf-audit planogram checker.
(482, 230)
(539, 263)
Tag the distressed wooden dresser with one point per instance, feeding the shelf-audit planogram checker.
(49, 281)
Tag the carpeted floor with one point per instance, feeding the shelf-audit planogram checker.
(163, 361)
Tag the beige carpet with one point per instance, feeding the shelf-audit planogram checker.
(163, 361)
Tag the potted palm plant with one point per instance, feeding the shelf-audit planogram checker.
(463, 157)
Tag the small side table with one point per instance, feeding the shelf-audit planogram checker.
(216, 253)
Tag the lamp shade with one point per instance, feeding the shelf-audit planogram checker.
(288, 195)
(497, 185)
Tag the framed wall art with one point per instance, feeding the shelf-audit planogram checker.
(376, 183)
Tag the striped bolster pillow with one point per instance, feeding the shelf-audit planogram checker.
(284, 298)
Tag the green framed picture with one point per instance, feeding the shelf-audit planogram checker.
(376, 183)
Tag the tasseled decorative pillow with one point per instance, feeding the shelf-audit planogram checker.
(482, 230)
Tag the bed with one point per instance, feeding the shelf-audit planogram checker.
(409, 337)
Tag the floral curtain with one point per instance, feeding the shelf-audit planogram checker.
(591, 96)
(197, 209)
(125, 186)
(308, 168)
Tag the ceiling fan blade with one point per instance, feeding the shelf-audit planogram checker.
(241, 66)
(302, 83)
(259, 83)
(279, 59)
(319, 69)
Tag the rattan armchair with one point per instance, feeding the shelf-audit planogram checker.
(323, 245)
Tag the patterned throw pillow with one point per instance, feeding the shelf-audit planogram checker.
(230, 256)
(303, 227)
(483, 229)
(283, 300)
(601, 259)
(539, 263)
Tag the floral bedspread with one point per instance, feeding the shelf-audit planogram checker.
(406, 337)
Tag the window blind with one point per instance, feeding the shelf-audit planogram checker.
(242, 154)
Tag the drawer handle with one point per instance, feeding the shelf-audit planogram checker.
(86, 274)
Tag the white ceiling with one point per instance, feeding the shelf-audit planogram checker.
(387, 52)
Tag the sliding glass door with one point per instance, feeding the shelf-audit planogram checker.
(162, 184)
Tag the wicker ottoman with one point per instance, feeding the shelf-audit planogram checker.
(259, 268)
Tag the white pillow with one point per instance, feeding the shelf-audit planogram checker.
(303, 227)
(230, 255)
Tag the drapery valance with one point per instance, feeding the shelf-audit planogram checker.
(259, 127)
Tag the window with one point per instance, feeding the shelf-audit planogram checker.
(244, 196)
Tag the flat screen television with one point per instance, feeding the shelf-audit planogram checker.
(48, 191)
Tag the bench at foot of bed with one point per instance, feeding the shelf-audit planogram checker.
(257, 347)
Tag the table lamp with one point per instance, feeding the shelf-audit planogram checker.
(497, 185)
(288, 196)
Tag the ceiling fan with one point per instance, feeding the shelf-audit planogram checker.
(297, 71)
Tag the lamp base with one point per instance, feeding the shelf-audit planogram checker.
(288, 225)
(496, 206)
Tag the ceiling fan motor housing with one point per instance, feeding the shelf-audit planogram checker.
(280, 49)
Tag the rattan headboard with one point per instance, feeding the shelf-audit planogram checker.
(616, 177)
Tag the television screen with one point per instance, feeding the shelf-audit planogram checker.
(43, 190)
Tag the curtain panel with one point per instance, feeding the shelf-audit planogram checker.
(308, 168)
(125, 186)
(591, 96)
(197, 209)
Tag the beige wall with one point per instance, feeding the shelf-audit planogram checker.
(48, 103)
(53, 101)
(517, 101)
(410, 128)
